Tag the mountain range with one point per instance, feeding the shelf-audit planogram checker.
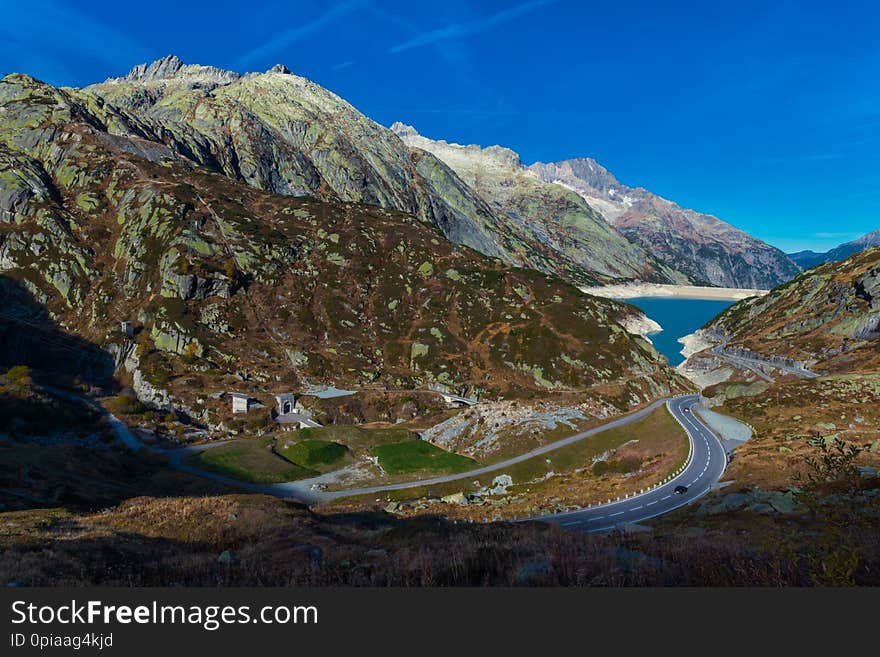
(283, 133)
(183, 232)
(555, 215)
(809, 259)
(560, 199)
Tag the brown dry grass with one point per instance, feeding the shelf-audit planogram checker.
(148, 541)
(788, 414)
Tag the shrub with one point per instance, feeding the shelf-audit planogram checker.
(19, 375)
(124, 404)
(230, 268)
(258, 420)
(600, 468)
(626, 464)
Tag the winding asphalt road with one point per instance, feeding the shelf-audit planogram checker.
(705, 467)
(707, 464)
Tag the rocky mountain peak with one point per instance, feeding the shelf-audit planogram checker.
(584, 169)
(280, 68)
(171, 67)
(403, 130)
(869, 240)
(705, 248)
(160, 69)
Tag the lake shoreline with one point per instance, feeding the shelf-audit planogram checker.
(680, 320)
(641, 290)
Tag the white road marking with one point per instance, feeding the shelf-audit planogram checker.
(694, 429)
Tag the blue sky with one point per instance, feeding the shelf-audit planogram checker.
(763, 113)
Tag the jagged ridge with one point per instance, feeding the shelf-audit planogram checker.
(708, 250)
(283, 133)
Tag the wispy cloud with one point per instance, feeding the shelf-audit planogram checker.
(458, 30)
(836, 236)
(287, 38)
(56, 35)
(342, 65)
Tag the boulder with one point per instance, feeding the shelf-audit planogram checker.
(455, 498)
(499, 485)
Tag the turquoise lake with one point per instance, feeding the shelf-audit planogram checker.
(678, 317)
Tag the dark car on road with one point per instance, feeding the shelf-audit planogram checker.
(680, 490)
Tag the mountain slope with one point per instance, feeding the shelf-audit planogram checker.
(809, 259)
(556, 216)
(230, 287)
(707, 250)
(829, 316)
(282, 133)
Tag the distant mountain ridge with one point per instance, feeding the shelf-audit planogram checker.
(555, 215)
(708, 250)
(810, 259)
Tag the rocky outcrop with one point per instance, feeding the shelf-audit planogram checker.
(23, 182)
(707, 250)
(146, 392)
(170, 67)
(188, 286)
(641, 324)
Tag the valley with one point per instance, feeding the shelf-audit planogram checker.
(251, 336)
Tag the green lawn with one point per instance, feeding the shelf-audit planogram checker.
(312, 453)
(250, 460)
(418, 455)
(309, 452)
(357, 439)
